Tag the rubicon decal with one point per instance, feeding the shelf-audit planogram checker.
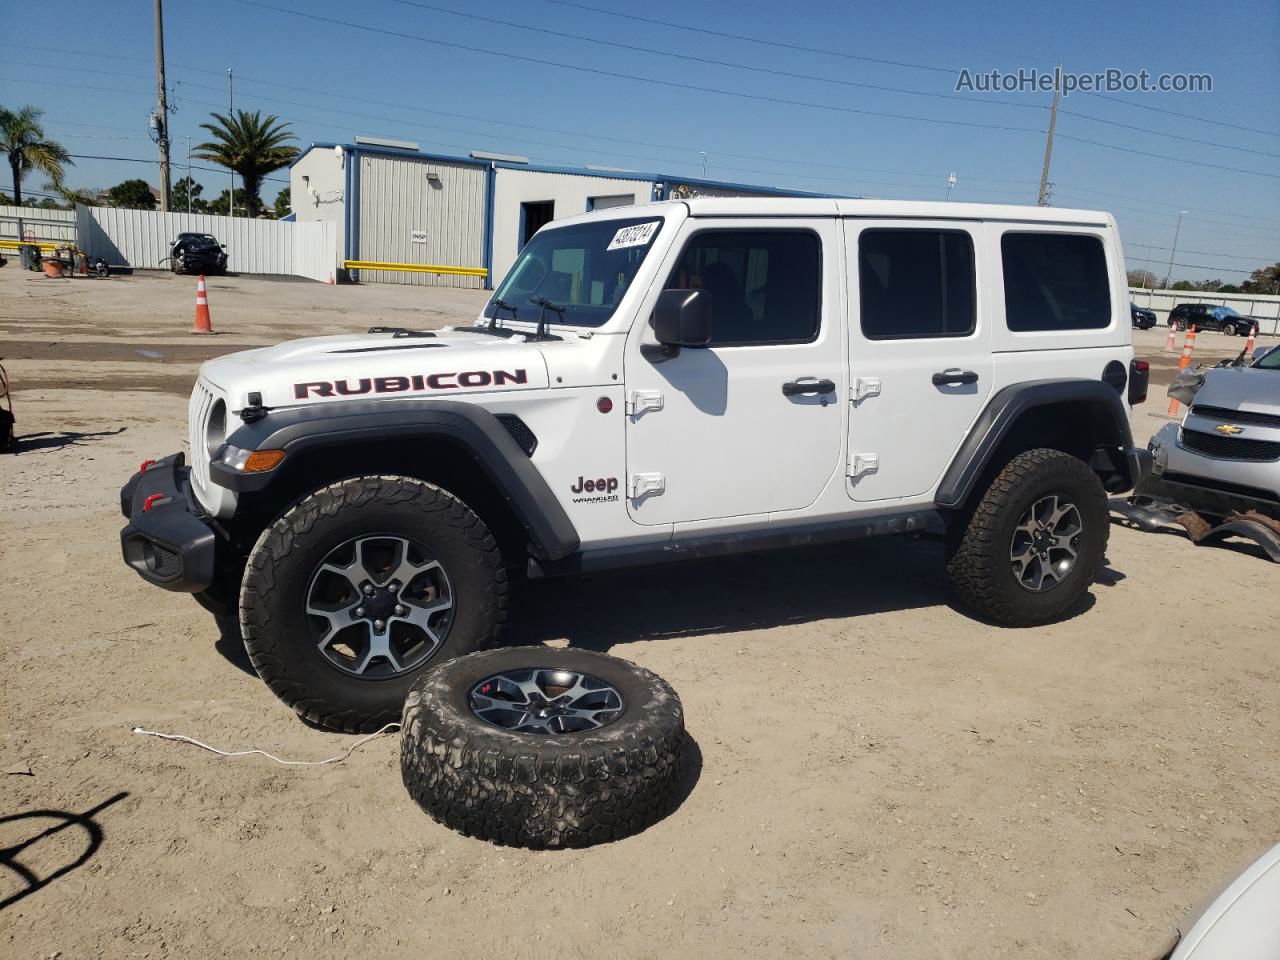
(600, 490)
(410, 383)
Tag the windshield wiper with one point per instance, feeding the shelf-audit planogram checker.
(544, 305)
(500, 304)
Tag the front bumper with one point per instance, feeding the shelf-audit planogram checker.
(168, 539)
(1209, 485)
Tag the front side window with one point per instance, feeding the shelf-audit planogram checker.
(916, 283)
(765, 285)
(584, 269)
(1055, 281)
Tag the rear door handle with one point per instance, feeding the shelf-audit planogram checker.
(807, 385)
(953, 377)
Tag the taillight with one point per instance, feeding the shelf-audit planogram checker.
(1139, 377)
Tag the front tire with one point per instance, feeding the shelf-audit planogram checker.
(1229, 329)
(362, 586)
(1035, 541)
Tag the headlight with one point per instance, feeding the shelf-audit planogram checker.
(215, 428)
(251, 461)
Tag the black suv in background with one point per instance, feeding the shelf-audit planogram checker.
(1209, 316)
(1141, 317)
(197, 253)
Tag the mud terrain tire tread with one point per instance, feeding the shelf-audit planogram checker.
(978, 560)
(278, 543)
(529, 790)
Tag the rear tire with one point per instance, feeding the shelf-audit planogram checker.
(1229, 329)
(988, 551)
(337, 668)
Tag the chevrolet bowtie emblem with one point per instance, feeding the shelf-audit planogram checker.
(1229, 428)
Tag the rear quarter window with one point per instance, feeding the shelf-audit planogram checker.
(1055, 281)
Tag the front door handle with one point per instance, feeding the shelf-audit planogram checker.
(954, 377)
(807, 385)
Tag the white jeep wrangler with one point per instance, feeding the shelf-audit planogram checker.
(683, 379)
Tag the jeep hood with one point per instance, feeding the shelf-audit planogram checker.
(1241, 388)
(377, 366)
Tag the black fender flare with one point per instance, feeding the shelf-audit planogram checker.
(1110, 424)
(473, 428)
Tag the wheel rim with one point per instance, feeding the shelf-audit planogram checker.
(1045, 542)
(546, 701)
(379, 606)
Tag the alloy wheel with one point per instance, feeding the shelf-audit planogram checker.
(1045, 542)
(379, 606)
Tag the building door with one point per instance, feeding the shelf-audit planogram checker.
(533, 217)
(750, 424)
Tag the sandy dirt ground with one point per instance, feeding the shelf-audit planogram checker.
(872, 774)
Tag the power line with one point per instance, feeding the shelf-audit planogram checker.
(507, 55)
(90, 156)
(709, 60)
(1172, 113)
(1161, 133)
(1203, 253)
(768, 43)
(898, 63)
(1144, 153)
(1190, 266)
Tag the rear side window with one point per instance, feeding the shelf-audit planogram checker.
(915, 283)
(1055, 281)
(765, 284)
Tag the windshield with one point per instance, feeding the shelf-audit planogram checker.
(585, 268)
(1269, 361)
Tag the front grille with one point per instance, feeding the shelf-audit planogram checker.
(1230, 448)
(202, 401)
(1236, 416)
(520, 432)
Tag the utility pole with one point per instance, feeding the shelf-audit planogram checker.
(1173, 250)
(231, 196)
(162, 110)
(189, 183)
(1048, 144)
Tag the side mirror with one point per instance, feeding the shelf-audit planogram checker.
(682, 318)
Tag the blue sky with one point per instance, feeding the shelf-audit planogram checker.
(350, 81)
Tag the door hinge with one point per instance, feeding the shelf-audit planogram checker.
(641, 484)
(863, 463)
(864, 387)
(640, 401)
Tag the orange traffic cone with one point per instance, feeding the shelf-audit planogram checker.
(1188, 345)
(1248, 344)
(204, 323)
(330, 280)
(1171, 345)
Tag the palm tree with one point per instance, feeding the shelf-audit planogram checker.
(22, 140)
(250, 145)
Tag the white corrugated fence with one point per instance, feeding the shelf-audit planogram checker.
(143, 238)
(1265, 309)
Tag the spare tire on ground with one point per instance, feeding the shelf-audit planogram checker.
(540, 747)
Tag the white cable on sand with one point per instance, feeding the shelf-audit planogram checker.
(244, 753)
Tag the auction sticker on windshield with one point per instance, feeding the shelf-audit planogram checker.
(636, 235)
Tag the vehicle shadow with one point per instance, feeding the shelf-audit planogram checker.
(29, 880)
(726, 595)
(747, 592)
(47, 440)
(230, 643)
